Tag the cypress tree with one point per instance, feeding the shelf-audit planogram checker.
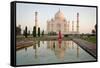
(42, 32)
(34, 31)
(26, 32)
(39, 32)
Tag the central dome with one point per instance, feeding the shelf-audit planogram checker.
(59, 15)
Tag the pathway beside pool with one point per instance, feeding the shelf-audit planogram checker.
(89, 47)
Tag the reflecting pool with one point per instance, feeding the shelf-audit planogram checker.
(52, 52)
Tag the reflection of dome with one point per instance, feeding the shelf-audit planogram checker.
(59, 15)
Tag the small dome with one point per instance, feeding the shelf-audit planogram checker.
(59, 15)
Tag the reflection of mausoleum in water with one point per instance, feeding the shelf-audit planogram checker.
(62, 48)
(60, 23)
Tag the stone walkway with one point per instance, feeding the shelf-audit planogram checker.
(23, 44)
(87, 46)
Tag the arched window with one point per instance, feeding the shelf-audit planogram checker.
(58, 27)
(52, 27)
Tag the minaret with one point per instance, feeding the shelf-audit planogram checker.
(68, 26)
(48, 26)
(77, 27)
(36, 21)
(72, 26)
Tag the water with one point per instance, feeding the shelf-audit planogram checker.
(52, 52)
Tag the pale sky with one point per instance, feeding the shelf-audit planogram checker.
(26, 15)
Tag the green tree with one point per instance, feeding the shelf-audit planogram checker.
(34, 31)
(42, 32)
(25, 32)
(39, 32)
(93, 31)
(29, 32)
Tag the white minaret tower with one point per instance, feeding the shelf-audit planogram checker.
(72, 26)
(48, 26)
(68, 26)
(77, 26)
(36, 21)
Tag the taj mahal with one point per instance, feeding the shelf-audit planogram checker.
(60, 23)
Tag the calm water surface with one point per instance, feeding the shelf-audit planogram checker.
(52, 52)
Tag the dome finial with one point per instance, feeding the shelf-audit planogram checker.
(59, 15)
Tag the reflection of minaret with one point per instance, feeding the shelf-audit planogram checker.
(77, 23)
(36, 21)
(35, 52)
(72, 26)
(77, 51)
(35, 48)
